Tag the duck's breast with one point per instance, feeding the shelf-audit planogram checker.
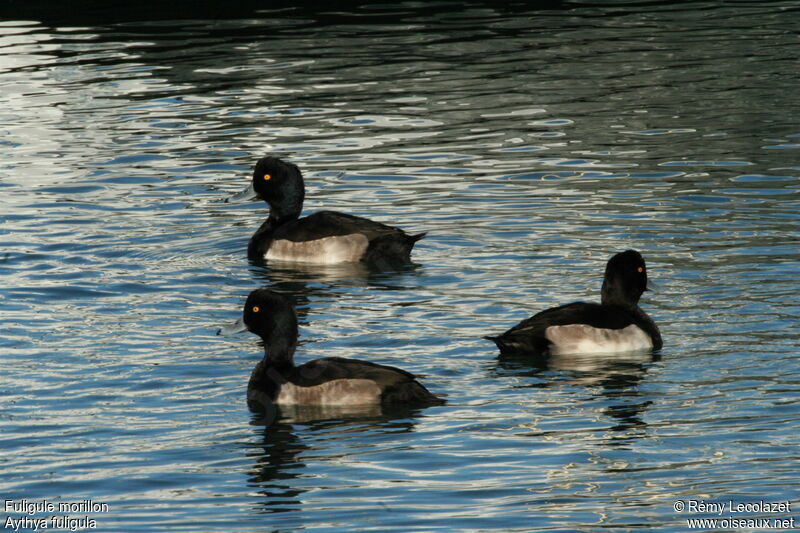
(582, 338)
(325, 251)
(335, 392)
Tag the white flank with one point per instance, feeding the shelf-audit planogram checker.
(324, 251)
(335, 392)
(580, 338)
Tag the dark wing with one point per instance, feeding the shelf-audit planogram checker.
(529, 335)
(397, 386)
(329, 368)
(331, 223)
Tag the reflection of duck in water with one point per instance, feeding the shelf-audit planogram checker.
(278, 272)
(607, 383)
(277, 463)
(617, 324)
(324, 237)
(589, 368)
(279, 458)
(328, 381)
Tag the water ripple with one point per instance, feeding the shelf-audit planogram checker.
(530, 144)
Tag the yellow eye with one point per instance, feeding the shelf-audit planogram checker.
(256, 309)
(267, 177)
(639, 270)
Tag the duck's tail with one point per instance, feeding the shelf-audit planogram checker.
(498, 340)
(391, 250)
(410, 393)
(411, 239)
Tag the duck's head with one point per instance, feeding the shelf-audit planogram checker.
(625, 279)
(278, 183)
(271, 316)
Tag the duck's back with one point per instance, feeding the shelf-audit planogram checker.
(332, 223)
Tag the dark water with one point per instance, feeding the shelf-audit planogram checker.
(530, 143)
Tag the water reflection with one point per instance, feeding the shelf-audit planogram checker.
(277, 463)
(295, 434)
(612, 379)
(593, 366)
(305, 284)
(304, 277)
(281, 272)
(526, 142)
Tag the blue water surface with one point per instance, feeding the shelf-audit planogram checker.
(531, 142)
